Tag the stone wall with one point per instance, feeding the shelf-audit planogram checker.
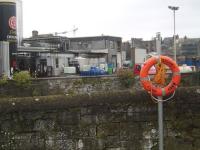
(62, 85)
(107, 120)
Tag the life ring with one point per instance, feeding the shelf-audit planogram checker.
(147, 84)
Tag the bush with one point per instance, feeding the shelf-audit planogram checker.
(126, 77)
(4, 80)
(22, 78)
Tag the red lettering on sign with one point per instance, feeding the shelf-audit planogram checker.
(12, 22)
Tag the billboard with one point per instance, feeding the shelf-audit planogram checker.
(8, 27)
(8, 21)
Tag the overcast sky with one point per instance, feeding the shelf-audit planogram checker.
(124, 18)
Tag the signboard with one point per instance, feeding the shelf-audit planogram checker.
(8, 27)
(8, 21)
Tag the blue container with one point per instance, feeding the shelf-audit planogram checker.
(94, 71)
(110, 65)
(81, 73)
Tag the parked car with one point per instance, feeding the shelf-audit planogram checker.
(138, 67)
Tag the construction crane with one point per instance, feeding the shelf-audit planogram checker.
(74, 31)
(65, 32)
(57, 33)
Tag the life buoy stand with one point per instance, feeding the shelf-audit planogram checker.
(147, 84)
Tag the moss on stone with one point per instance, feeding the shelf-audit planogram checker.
(78, 82)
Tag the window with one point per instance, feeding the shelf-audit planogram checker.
(111, 45)
(85, 45)
(57, 63)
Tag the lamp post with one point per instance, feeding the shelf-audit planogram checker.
(174, 8)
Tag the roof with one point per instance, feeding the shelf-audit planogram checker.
(45, 37)
(95, 38)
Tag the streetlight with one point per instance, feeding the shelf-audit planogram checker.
(174, 8)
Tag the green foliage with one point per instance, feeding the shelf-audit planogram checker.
(126, 77)
(4, 80)
(71, 92)
(78, 82)
(22, 78)
(36, 92)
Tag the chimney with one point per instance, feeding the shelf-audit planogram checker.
(34, 33)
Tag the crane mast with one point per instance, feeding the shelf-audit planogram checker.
(65, 32)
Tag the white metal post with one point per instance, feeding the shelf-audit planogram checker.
(174, 37)
(160, 123)
(160, 102)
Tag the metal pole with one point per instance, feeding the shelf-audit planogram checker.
(160, 102)
(160, 123)
(174, 37)
(174, 8)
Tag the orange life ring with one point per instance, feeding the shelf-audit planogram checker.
(157, 91)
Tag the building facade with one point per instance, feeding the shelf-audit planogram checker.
(126, 47)
(56, 43)
(49, 52)
(98, 50)
(45, 54)
(149, 45)
(189, 51)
